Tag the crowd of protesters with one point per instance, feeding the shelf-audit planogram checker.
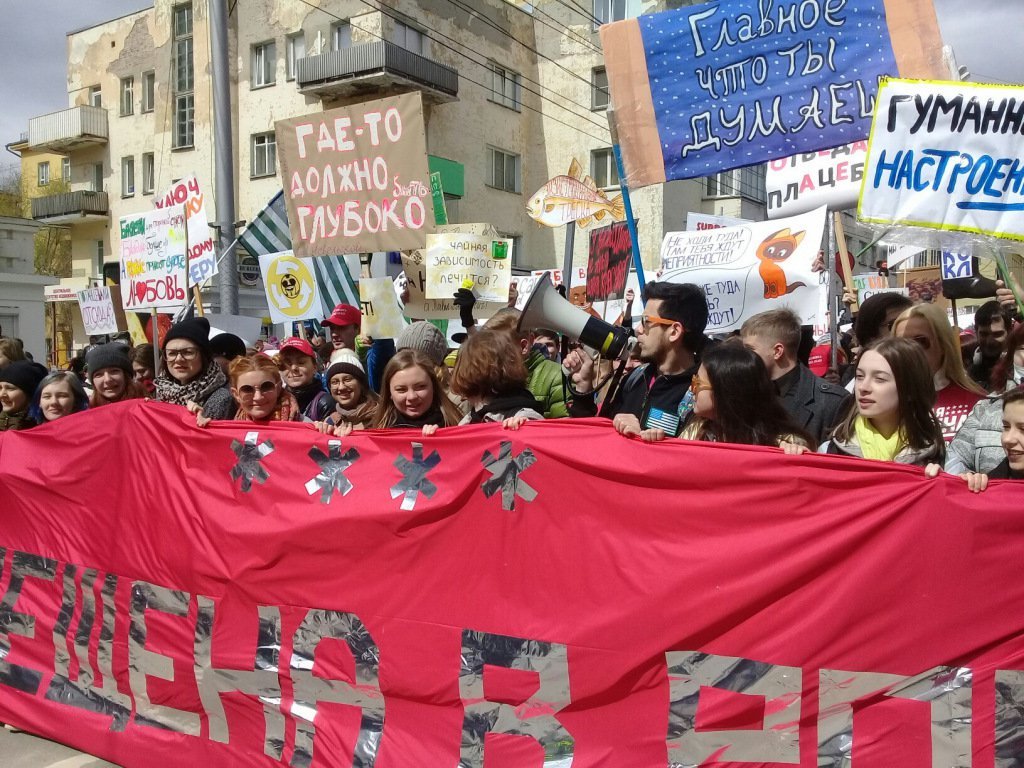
(912, 394)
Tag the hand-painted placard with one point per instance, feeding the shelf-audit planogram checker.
(698, 222)
(868, 285)
(947, 156)
(437, 195)
(99, 315)
(749, 269)
(202, 256)
(356, 178)
(611, 254)
(461, 260)
(716, 86)
(291, 287)
(829, 177)
(154, 271)
(382, 316)
(574, 197)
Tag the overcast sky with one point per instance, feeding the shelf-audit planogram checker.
(985, 34)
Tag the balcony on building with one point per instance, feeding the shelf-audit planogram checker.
(69, 208)
(68, 129)
(366, 69)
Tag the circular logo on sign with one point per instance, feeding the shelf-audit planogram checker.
(291, 287)
(248, 271)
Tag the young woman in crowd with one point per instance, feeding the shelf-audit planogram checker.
(491, 375)
(58, 395)
(298, 362)
(143, 360)
(874, 321)
(893, 419)
(412, 396)
(355, 404)
(928, 327)
(110, 373)
(734, 401)
(11, 350)
(18, 383)
(189, 376)
(256, 388)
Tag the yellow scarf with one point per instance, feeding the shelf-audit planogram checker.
(873, 445)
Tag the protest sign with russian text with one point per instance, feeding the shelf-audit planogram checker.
(202, 255)
(154, 268)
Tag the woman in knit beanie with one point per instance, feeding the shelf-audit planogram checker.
(189, 375)
(110, 374)
(18, 383)
(355, 404)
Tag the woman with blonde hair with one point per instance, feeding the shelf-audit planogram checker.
(412, 396)
(956, 393)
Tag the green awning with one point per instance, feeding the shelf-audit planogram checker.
(453, 175)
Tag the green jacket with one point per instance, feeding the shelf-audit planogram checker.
(546, 384)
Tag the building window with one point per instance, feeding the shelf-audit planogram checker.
(99, 258)
(407, 37)
(740, 182)
(148, 91)
(127, 176)
(65, 169)
(503, 170)
(616, 10)
(95, 96)
(599, 88)
(147, 173)
(505, 87)
(295, 49)
(518, 258)
(264, 64)
(341, 36)
(127, 96)
(184, 99)
(43, 174)
(97, 177)
(603, 169)
(264, 154)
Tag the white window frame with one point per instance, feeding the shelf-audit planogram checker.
(148, 91)
(148, 172)
(606, 11)
(506, 87)
(603, 170)
(95, 96)
(341, 36)
(127, 96)
(65, 169)
(264, 155)
(408, 37)
(747, 182)
(183, 81)
(506, 157)
(128, 176)
(43, 174)
(599, 94)
(264, 64)
(293, 53)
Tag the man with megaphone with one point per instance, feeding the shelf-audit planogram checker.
(656, 395)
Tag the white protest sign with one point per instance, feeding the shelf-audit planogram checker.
(957, 264)
(801, 183)
(98, 314)
(153, 261)
(291, 288)
(868, 285)
(947, 156)
(244, 327)
(698, 222)
(526, 283)
(750, 268)
(202, 257)
(455, 259)
(382, 316)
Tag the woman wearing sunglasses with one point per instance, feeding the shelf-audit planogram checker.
(189, 375)
(257, 389)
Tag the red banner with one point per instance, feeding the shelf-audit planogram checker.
(557, 596)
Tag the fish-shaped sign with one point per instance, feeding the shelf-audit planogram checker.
(570, 198)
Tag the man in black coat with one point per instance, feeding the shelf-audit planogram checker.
(815, 404)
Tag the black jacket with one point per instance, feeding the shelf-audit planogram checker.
(815, 404)
(656, 400)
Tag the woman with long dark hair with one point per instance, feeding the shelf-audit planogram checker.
(412, 396)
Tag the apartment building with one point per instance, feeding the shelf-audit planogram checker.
(512, 93)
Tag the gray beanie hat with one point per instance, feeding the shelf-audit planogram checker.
(112, 355)
(426, 338)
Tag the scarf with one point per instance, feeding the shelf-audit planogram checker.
(433, 416)
(198, 390)
(873, 445)
(287, 410)
(507, 404)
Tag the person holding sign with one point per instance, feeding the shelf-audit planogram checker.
(412, 396)
(190, 377)
(111, 376)
(18, 383)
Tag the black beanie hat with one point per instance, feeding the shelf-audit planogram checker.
(227, 345)
(351, 369)
(24, 374)
(195, 329)
(112, 355)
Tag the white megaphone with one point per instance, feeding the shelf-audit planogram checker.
(547, 309)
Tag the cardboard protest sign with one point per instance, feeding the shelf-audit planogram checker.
(717, 86)
(101, 315)
(526, 283)
(153, 261)
(574, 197)
(947, 156)
(457, 260)
(382, 316)
(868, 285)
(291, 288)
(750, 268)
(829, 177)
(202, 256)
(698, 222)
(356, 178)
(611, 255)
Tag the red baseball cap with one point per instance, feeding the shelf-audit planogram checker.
(299, 345)
(344, 314)
(821, 359)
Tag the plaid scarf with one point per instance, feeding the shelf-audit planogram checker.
(170, 390)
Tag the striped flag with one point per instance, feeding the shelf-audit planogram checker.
(269, 233)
